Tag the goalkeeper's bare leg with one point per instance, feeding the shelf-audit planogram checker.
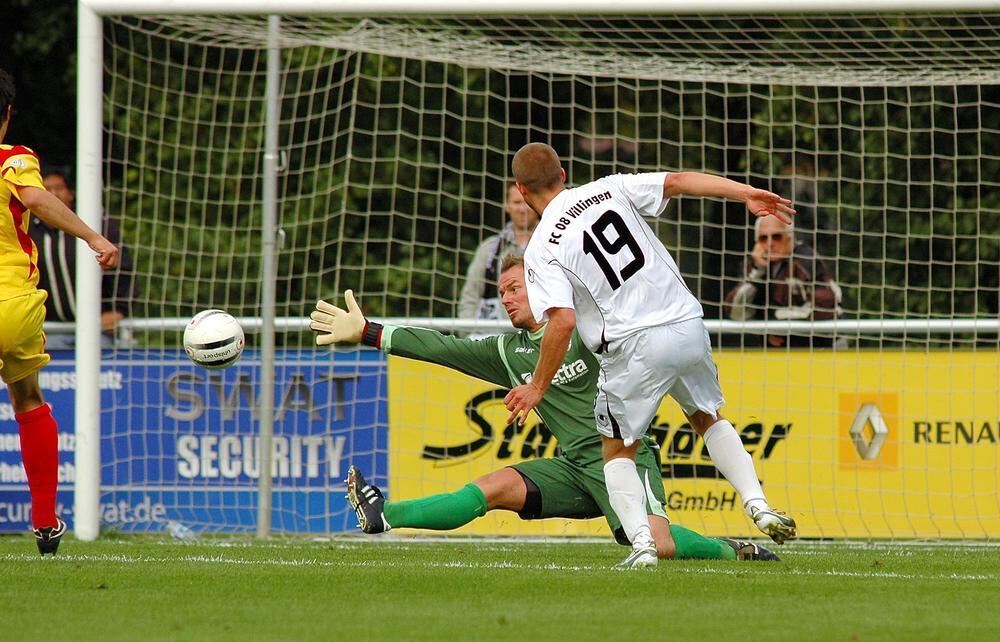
(732, 460)
(503, 489)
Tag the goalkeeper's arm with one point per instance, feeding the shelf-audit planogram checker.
(334, 325)
(479, 358)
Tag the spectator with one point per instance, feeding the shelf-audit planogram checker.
(480, 299)
(784, 280)
(57, 258)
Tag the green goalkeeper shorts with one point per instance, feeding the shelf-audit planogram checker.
(572, 491)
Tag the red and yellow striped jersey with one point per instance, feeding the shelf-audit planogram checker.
(19, 167)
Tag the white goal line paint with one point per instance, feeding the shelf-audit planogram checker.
(801, 547)
(731, 568)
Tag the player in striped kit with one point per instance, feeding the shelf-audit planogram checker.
(595, 266)
(22, 313)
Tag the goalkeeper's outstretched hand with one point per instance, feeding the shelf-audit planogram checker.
(333, 325)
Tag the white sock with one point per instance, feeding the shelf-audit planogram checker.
(628, 498)
(735, 464)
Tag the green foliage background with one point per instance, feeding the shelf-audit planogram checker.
(394, 171)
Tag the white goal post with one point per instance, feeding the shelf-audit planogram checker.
(872, 82)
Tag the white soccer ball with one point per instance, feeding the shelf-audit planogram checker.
(213, 339)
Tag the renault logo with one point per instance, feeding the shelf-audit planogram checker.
(868, 415)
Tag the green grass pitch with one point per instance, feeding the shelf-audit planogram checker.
(352, 588)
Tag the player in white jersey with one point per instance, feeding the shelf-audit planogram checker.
(594, 264)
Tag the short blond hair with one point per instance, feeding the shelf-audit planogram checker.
(511, 261)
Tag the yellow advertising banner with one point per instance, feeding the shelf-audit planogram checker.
(852, 444)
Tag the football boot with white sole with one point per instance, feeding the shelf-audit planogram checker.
(778, 526)
(643, 555)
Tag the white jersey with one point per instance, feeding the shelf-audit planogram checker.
(593, 252)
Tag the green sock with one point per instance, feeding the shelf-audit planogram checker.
(692, 546)
(438, 512)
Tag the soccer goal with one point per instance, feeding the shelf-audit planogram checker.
(257, 163)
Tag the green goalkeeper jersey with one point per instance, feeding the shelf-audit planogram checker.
(508, 360)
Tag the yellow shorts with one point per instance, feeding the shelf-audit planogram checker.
(22, 340)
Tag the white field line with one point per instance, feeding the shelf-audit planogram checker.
(736, 568)
(811, 547)
(905, 547)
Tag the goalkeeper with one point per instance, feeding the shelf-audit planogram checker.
(570, 485)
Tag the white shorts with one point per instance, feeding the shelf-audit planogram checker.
(637, 372)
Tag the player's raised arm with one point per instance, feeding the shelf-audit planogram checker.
(760, 202)
(50, 209)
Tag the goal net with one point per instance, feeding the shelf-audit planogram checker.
(878, 416)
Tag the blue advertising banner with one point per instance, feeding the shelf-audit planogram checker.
(179, 443)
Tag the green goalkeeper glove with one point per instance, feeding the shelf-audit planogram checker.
(334, 325)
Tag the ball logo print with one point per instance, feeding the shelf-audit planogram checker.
(214, 339)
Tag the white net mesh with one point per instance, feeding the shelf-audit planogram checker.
(396, 137)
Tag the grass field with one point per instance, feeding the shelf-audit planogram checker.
(398, 589)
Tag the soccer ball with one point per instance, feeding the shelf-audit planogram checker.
(213, 339)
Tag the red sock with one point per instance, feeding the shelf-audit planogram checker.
(40, 454)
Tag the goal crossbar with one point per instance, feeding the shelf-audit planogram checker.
(524, 7)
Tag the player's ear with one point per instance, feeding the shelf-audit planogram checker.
(562, 173)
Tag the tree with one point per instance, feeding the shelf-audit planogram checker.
(38, 46)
